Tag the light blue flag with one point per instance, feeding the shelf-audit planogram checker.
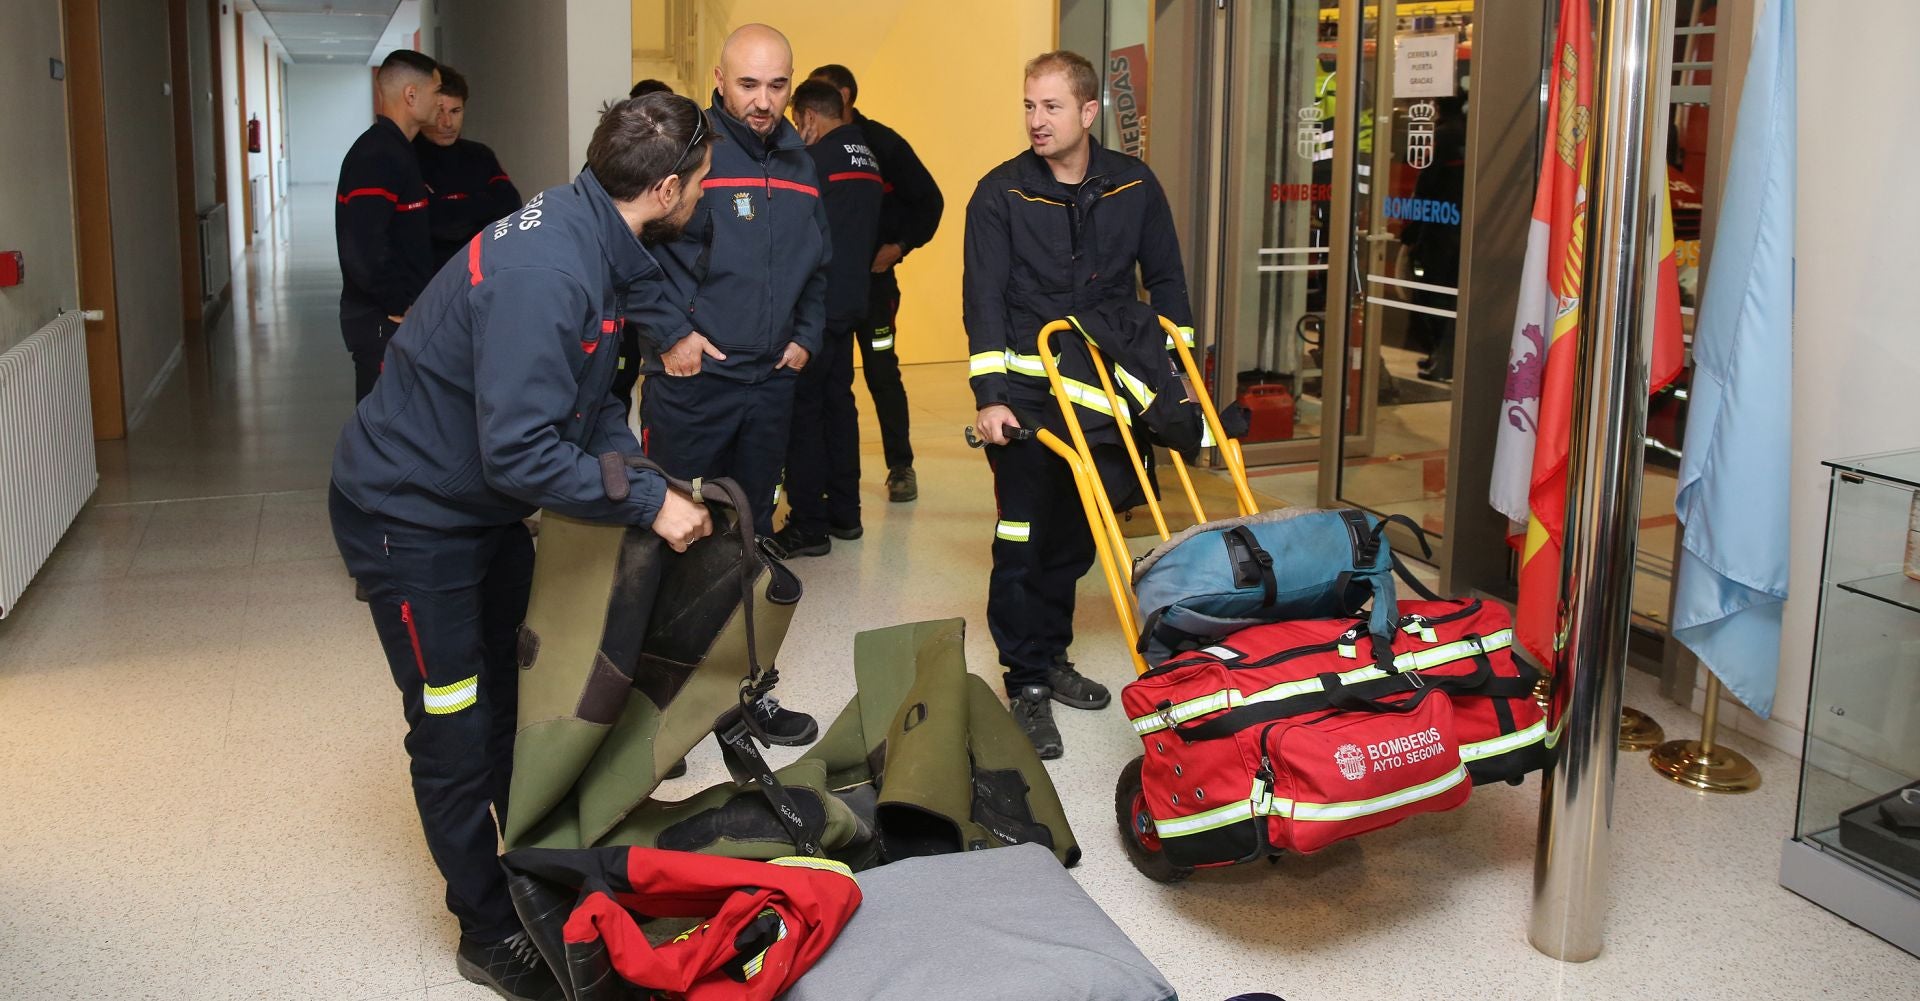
(1733, 470)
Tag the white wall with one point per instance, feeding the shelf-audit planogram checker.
(599, 59)
(1856, 367)
(514, 56)
(241, 165)
(36, 192)
(327, 109)
(144, 202)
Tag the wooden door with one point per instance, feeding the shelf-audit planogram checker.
(93, 214)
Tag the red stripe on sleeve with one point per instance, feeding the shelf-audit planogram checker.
(369, 192)
(473, 261)
(856, 175)
(495, 179)
(410, 206)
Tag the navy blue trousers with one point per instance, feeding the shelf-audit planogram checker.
(823, 449)
(710, 427)
(447, 606)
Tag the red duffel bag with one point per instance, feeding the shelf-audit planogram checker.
(1502, 730)
(1251, 714)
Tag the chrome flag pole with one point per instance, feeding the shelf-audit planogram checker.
(1633, 68)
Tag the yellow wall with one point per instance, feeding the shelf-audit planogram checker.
(945, 75)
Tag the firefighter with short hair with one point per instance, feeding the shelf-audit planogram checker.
(495, 403)
(1066, 226)
(469, 188)
(380, 214)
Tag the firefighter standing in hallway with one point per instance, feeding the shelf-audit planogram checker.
(1062, 227)
(908, 218)
(380, 214)
(497, 402)
(744, 305)
(823, 452)
(467, 185)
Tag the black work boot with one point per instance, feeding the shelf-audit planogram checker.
(795, 542)
(1071, 688)
(846, 533)
(902, 485)
(512, 967)
(1032, 708)
(781, 725)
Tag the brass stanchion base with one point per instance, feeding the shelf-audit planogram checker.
(1638, 731)
(1719, 770)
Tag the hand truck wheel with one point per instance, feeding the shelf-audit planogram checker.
(1136, 828)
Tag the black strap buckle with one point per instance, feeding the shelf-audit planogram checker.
(743, 756)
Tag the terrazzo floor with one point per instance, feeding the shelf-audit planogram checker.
(203, 795)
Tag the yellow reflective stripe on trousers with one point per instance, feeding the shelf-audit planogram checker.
(451, 698)
(1186, 334)
(1013, 531)
(881, 342)
(1504, 743)
(1417, 660)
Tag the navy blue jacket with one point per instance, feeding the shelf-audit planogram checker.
(380, 224)
(750, 272)
(914, 203)
(854, 193)
(468, 188)
(1037, 252)
(495, 396)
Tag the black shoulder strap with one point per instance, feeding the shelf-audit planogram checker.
(1251, 564)
(743, 757)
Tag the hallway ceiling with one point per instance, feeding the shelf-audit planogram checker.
(328, 31)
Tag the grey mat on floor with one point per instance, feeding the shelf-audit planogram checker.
(1003, 925)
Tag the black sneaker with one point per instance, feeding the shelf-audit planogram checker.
(902, 485)
(1032, 708)
(512, 967)
(1071, 688)
(846, 534)
(781, 725)
(796, 543)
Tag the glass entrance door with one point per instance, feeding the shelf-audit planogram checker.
(1341, 254)
(1402, 304)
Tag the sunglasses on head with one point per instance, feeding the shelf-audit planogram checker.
(699, 133)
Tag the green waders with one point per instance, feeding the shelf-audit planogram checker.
(632, 654)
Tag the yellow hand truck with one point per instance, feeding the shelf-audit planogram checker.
(1115, 558)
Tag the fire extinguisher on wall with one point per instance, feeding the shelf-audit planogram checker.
(253, 134)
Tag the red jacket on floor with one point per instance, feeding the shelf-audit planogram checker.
(765, 923)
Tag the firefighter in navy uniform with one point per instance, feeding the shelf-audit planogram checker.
(495, 403)
(908, 219)
(823, 451)
(380, 223)
(1060, 228)
(467, 185)
(744, 305)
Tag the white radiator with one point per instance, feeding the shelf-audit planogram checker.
(47, 469)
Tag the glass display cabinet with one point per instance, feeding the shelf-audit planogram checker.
(1855, 848)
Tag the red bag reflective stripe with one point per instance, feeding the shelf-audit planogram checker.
(1271, 693)
(1347, 773)
(1502, 730)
